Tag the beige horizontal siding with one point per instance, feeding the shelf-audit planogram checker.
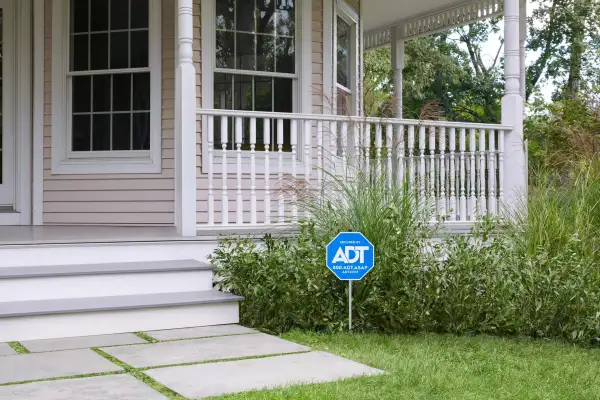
(117, 199)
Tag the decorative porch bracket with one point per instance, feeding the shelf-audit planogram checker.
(428, 24)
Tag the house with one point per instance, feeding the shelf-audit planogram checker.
(134, 132)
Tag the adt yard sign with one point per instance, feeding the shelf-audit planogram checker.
(350, 256)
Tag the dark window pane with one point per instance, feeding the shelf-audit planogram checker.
(266, 16)
(141, 91)
(225, 14)
(285, 54)
(119, 50)
(99, 15)
(343, 52)
(101, 132)
(225, 49)
(81, 133)
(82, 95)
(284, 95)
(263, 94)
(101, 92)
(121, 132)
(243, 96)
(141, 131)
(99, 51)
(79, 53)
(245, 16)
(223, 86)
(122, 92)
(286, 21)
(245, 58)
(139, 49)
(139, 14)
(119, 14)
(265, 53)
(80, 14)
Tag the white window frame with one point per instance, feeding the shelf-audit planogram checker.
(348, 14)
(64, 160)
(302, 86)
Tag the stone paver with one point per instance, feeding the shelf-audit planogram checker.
(6, 350)
(201, 332)
(205, 380)
(115, 387)
(200, 350)
(82, 342)
(27, 367)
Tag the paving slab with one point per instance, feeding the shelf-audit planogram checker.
(206, 380)
(113, 387)
(81, 342)
(28, 367)
(201, 350)
(200, 332)
(6, 350)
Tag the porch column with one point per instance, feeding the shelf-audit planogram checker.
(522, 40)
(515, 165)
(185, 123)
(397, 43)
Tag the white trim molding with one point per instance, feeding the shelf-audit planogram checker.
(110, 162)
(38, 113)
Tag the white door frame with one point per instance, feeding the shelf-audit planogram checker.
(17, 108)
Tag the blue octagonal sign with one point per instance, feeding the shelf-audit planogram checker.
(350, 256)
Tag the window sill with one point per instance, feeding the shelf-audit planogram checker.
(108, 165)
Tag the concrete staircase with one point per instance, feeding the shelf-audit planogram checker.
(54, 301)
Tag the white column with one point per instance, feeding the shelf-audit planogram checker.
(185, 123)
(397, 43)
(522, 52)
(512, 111)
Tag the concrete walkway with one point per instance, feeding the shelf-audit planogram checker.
(191, 363)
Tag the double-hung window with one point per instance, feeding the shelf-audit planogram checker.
(111, 78)
(255, 64)
(346, 60)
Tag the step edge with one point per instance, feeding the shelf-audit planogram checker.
(5, 273)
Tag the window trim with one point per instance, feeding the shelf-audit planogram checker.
(302, 87)
(346, 12)
(64, 160)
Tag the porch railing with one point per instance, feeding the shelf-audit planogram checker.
(256, 165)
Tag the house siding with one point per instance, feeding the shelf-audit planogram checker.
(119, 199)
(275, 185)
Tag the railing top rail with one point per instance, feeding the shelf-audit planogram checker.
(350, 119)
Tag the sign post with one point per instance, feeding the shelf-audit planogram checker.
(350, 256)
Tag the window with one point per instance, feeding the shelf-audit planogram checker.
(346, 68)
(255, 60)
(112, 109)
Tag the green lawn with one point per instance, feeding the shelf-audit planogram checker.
(447, 367)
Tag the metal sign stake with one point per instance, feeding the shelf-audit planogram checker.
(350, 305)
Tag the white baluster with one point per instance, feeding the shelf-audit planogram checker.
(307, 150)
(253, 211)
(492, 173)
(280, 160)
(320, 163)
(453, 213)
(224, 196)
(473, 173)
(294, 144)
(442, 171)
(422, 169)
(389, 138)
(367, 147)
(401, 168)
(267, 143)
(463, 175)
(211, 170)
(482, 186)
(501, 170)
(344, 143)
(333, 146)
(432, 172)
(378, 149)
(240, 199)
(411, 156)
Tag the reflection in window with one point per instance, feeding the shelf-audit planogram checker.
(343, 52)
(256, 37)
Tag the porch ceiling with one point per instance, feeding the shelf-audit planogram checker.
(383, 13)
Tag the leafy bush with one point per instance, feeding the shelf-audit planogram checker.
(537, 277)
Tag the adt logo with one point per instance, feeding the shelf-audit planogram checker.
(350, 256)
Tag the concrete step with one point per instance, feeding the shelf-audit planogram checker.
(49, 319)
(101, 280)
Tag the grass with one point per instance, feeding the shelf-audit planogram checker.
(449, 367)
